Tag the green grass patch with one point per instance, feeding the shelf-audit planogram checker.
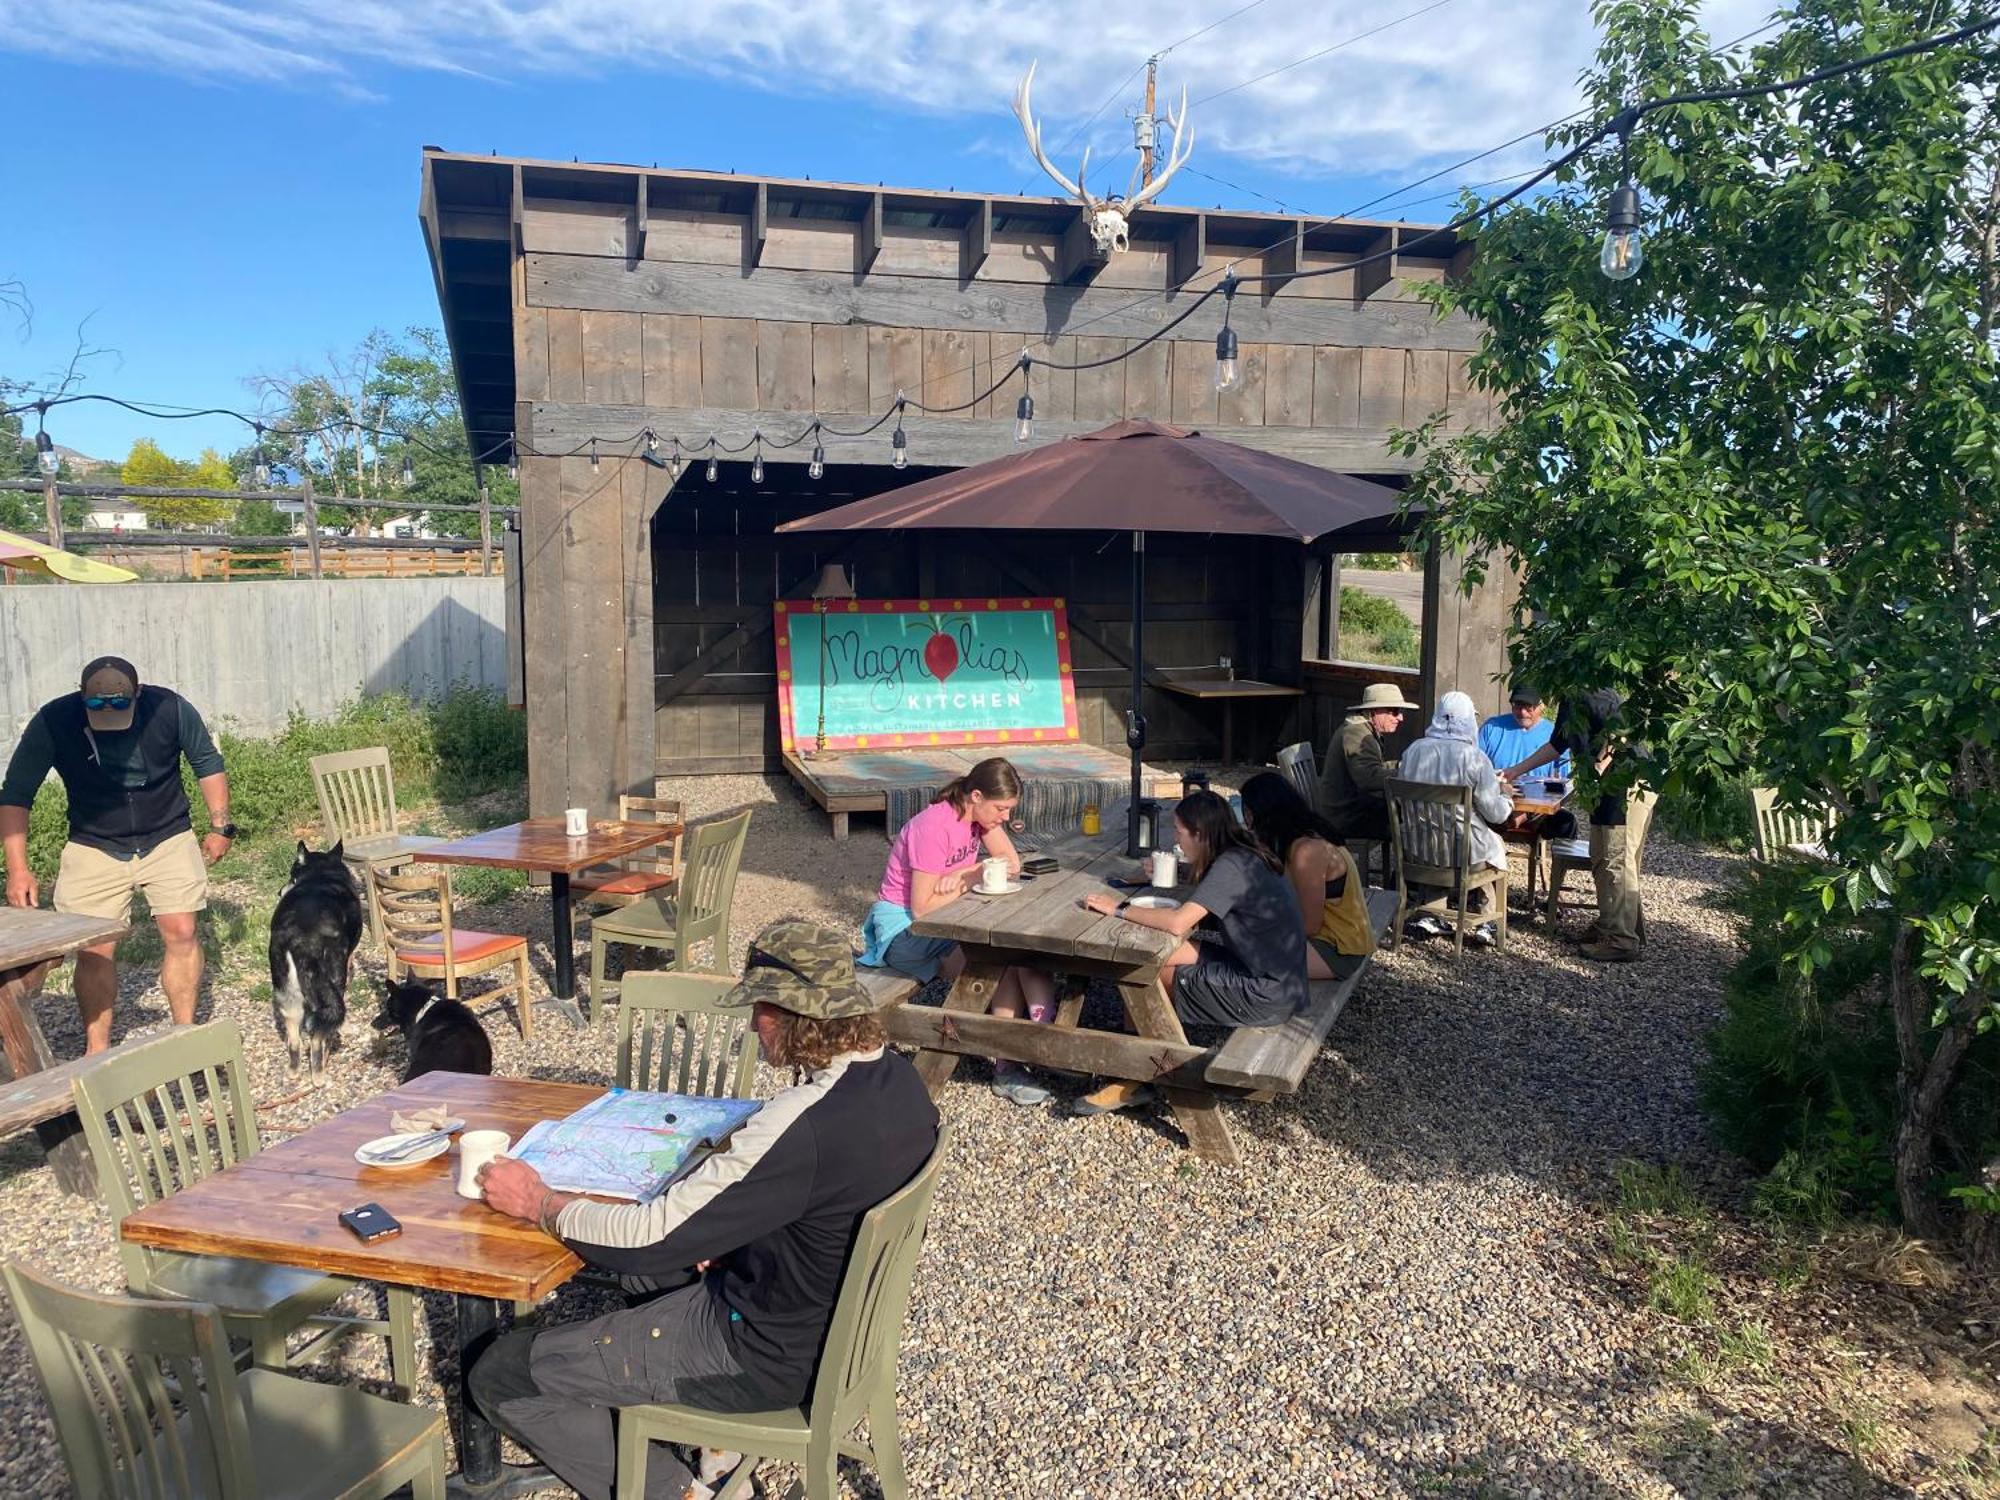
(1747, 1346)
(481, 885)
(1644, 1188)
(1682, 1288)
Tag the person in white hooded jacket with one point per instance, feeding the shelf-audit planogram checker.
(1449, 755)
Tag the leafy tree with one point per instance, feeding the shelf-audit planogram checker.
(1762, 476)
(261, 518)
(147, 464)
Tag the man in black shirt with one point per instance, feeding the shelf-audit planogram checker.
(117, 747)
(754, 1240)
(1587, 730)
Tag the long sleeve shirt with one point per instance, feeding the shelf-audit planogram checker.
(1444, 762)
(1350, 784)
(777, 1209)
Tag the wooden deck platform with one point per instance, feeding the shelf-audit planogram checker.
(852, 781)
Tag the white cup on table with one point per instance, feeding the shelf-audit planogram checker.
(475, 1149)
(576, 821)
(1164, 868)
(993, 875)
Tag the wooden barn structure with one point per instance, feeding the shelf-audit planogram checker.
(589, 304)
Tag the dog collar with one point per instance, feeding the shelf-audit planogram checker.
(423, 1010)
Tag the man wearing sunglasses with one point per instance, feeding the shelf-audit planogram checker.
(117, 747)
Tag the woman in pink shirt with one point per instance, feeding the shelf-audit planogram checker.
(930, 865)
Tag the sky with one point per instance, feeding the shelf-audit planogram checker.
(213, 189)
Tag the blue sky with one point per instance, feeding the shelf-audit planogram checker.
(229, 186)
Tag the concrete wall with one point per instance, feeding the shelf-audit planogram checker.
(248, 654)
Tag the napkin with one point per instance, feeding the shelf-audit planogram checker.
(430, 1117)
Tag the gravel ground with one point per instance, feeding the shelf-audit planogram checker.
(1405, 1291)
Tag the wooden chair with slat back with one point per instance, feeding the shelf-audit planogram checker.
(174, 1110)
(148, 1404)
(1787, 832)
(1300, 763)
(648, 872)
(856, 1379)
(674, 1037)
(357, 802)
(1431, 829)
(697, 912)
(414, 908)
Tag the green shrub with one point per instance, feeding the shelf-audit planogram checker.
(1718, 815)
(1375, 629)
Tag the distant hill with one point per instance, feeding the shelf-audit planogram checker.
(82, 463)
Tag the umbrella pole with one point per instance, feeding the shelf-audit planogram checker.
(1135, 718)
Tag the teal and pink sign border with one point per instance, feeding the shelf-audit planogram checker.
(794, 731)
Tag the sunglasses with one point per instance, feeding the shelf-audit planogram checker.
(118, 701)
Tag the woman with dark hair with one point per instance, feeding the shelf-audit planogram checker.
(929, 866)
(1242, 958)
(1321, 872)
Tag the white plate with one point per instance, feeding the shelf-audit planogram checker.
(1006, 890)
(1155, 903)
(365, 1153)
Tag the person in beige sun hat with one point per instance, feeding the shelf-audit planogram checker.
(1351, 795)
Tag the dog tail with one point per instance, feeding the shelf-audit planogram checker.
(323, 979)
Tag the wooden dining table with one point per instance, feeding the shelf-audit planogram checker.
(1046, 925)
(1534, 804)
(32, 942)
(541, 845)
(283, 1205)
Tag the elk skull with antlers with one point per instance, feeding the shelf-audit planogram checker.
(1110, 218)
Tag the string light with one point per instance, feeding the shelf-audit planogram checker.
(817, 468)
(677, 464)
(410, 471)
(1623, 253)
(513, 458)
(757, 460)
(1024, 409)
(593, 455)
(260, 467)
(1225, 341)
(899, 445)
(713, 468)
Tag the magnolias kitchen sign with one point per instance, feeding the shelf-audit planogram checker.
(910, 672)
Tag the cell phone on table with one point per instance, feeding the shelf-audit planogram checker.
(371, 1222)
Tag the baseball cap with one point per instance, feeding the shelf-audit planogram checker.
(1527, 695)
(804, 968)
(110, 677)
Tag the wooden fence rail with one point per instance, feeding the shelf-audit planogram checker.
(227, 563)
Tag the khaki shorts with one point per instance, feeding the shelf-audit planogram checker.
(174, 877)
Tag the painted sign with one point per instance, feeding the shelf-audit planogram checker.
(914, 672)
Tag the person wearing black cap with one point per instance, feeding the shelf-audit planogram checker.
(1510, 738)
(118, 747)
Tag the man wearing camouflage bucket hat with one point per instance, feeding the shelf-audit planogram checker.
(740, 1261)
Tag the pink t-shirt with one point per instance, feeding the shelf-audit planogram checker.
(937, 841)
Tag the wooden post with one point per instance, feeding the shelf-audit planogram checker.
(312, 522)
(485, 531)
(52, 503)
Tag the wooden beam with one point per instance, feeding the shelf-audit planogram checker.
(672, 687)
(605, 284)
(518, 208)
(1190, 252)
(1372, 278)
(466, 224)
(757, 228)
(639, 222)
(946, 441)
(1081, 620)
(1284, 258)
(976, 241)
(1108, 1053)
(868, 241)
(1078, 260)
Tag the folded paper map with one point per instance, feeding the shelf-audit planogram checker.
(630, 1143)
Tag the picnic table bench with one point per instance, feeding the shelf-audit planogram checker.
(34, 1088)
(1045, 925)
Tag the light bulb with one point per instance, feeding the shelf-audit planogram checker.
(1225, 358)
(1024, 419)
(593, 455)
(409, 472)
(712, 470)
(260, 472)
(513, 458)
(757, 468)
(899, 450)
(817, 468)
(46, 457)
(1623, 252)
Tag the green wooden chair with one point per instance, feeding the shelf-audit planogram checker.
(148, 1405)
(697, 912)
(857, 1372)
(177, 1109)
(1431, 829)
(674, 1036)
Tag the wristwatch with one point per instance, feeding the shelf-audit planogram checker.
(227, 830)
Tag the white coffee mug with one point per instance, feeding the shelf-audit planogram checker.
(1164, 868)
(993, 874)
(576, 821)
(475, 1149)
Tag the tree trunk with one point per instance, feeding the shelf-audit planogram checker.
(1923, 1084)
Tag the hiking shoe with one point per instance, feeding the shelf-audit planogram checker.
(1113, 1096)
(1483, 936)
(1017, 1086)
(1608, 952)
(1423, 924)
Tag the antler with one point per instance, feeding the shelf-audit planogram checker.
(1176, 155)
(1034, 135)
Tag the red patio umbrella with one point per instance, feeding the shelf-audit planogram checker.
(1130, 476)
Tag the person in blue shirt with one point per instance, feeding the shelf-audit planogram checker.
(1510, 738)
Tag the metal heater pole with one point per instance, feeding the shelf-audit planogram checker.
(1135, 718)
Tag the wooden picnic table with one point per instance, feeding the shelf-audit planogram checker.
(1046, 926)
(282, 1206)
(1229, 691)
(541, 845)
(36, 1091)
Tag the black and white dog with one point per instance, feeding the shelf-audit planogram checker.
(313, 935)
(443, 1034)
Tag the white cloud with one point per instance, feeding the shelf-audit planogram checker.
(1439, 86)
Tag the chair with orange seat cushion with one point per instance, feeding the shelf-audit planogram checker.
(649, 872)
(414, 909)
